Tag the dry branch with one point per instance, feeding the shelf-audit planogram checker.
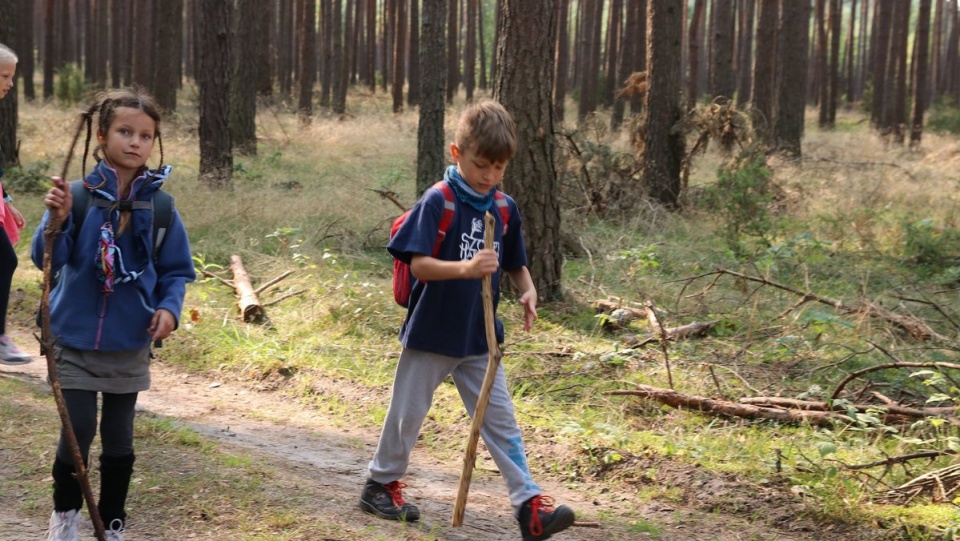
(941, 485)
(912, 325)
(732, 409)
(853, 375)
(697, 328)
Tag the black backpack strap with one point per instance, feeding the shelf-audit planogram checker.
(162, 219)
(81, 203)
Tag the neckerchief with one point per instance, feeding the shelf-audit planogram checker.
(465, 193)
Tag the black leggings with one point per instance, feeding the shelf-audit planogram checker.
(8, 264)
(116, 424)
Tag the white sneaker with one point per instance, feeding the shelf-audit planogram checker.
(115, 533)
(10, 353)
(63, 526)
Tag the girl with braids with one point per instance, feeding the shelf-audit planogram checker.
(12, 222)
(113, 297)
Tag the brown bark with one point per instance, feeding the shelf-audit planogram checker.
(166, 66)
(399, 53)
(661, 149)
(562, 55)
(247, 300)
(525, 60)
(745, 60)
(307, 75)
(922, 38)
(695, 42)
(413, 56)
(216, 157)
(722, 84)
(431, 155)
(792, 41)
(453, 53)
(9, 30)
(470, 50)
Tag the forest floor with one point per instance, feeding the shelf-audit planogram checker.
(308, 456)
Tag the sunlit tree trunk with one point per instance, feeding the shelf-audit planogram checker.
(525, 55)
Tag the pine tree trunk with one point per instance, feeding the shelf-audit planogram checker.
(9, 35)
(590, 69)
(764, 70)
(340, 66)
(213, 71)
(920, 75)
(144, 43)
(562, 66)
(413, 56)
(792, 31)
(833, 68)
(371, 13)
(430, 134)
(612, 50)
(453, 53)
(880, 48)
(246, 70)
(662, 147)
(307, 74)
(266, 22)
(49, 46)
(525, 60)
(483, 49)
(745, 63)
(849, 61)
(630, 29)
(822, 48)
(399, 54)
(722, 82)
(284, 49)
(900, 31)
(26, 66)
(695, 41)
(470, 50)
(170, 34)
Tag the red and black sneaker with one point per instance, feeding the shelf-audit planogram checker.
(386, 501)
(539, 520)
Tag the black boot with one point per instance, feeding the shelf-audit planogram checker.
(386, 501)
(539, 520)
(67, 494)
(115, 473)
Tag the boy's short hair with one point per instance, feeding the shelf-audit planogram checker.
(488, 129)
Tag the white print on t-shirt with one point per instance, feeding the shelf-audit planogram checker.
(471, 243)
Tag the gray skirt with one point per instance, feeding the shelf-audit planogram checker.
(117, 372)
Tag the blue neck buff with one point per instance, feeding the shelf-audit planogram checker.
(465, 193)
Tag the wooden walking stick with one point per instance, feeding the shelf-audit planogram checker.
(493, 363)
(47, 342)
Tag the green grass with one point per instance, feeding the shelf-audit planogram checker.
(838, 228)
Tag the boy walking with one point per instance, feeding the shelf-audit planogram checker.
(443, 333)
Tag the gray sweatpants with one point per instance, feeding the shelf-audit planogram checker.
(418, 375)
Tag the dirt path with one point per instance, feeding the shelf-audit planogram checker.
(302, 444)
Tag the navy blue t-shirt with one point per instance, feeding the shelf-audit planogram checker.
(446, 316)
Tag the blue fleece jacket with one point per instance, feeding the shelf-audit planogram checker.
(84, 318)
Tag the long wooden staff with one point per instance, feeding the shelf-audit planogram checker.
(493, 363)
(46, 337)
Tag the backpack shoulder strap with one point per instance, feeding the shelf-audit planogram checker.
(81, 203)
(500, 200)
(446, 219)
(162, 219)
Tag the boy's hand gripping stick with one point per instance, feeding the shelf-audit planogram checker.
(493, 363)
(47, 342)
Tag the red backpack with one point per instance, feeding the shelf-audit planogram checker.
(402, 275)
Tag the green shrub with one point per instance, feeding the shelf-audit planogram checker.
(741, 198)
(931, 246)
(70, 87)
(32, 179)
(944, 117)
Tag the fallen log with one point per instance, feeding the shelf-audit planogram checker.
(941, 485)
(690, 330)
(249, 302)
(890, 411)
